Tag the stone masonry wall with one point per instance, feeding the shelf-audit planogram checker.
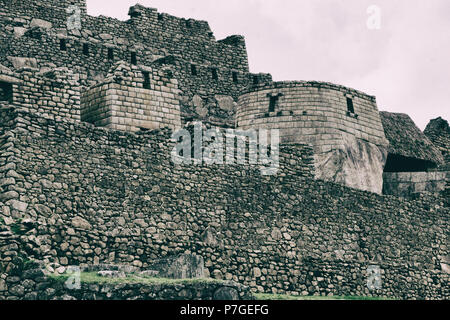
(198, 101)
(27, 280)
(121, 102)
(87, 196)
(350, 148)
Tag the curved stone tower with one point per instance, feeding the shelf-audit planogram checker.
(342, 124)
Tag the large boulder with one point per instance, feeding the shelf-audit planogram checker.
(19, 31)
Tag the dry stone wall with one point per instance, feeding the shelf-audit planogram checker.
(81, 195)
(169, 35)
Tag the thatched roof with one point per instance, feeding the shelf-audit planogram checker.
(407, 140)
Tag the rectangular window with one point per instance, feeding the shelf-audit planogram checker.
(146, 80)
(133, 58)
(255, 80)
(214, 74)
(273, 103)
(194, 69)
(6, 91)
(110, 54)
(350, 107)
(62, 44)
(235, 77)
(85, 49)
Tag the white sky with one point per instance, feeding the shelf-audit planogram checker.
(406, 63)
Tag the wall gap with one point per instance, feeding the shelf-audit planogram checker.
(350, 106)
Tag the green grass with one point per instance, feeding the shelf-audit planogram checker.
(93, 277)
(266, 296)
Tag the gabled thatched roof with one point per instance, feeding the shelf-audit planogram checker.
(407, 140)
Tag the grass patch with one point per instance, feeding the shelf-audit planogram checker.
(266, 296)
(93, 277)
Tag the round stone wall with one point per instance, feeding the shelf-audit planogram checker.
(342, 124)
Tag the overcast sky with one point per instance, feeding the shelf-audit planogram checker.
(405, 63)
